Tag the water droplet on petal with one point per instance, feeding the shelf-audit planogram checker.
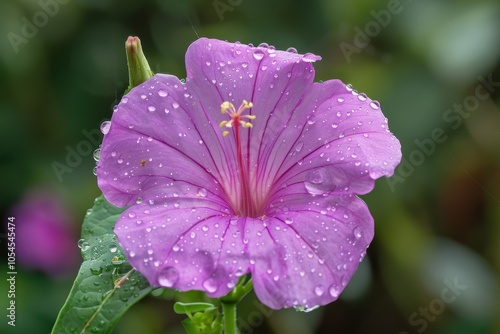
(358, 232)
(97, 154)
(309, 58)
(175, 105)
(319, 290)
(375, 105)
(318, 182)
(258, 54)
(105, 127)
(202, 192)
(168, 277)
(334, 291)
(362, 97)
(299, 146)
(162, 93)
(151, 108)
(291, 50)
(340, 99)
(210, 285)
(288, 221)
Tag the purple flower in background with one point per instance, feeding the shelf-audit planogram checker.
(44, 238)
(266, 187)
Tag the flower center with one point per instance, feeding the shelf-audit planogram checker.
(244, 205)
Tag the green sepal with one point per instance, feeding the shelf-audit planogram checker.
(185, 308)
(138, 66)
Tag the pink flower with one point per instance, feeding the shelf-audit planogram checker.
(267, 187)
(44, 238)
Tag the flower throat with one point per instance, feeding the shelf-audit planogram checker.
(245, 205)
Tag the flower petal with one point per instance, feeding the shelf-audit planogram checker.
(306, 257)
(274, 81)
(153, 140)
(337, 140)
(185, 244)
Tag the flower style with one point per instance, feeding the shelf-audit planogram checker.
(266, 187)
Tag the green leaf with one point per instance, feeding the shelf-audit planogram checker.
(185, 308)
(106, 285)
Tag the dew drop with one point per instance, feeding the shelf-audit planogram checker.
(299, 146)
(258, 54)
(151, 108)
(105, 127)
(244, 65)
(309, 58)
(83, 245)
(291, 50)
(375, 105)
(264, 67)
(162, 93)
(288, 221)
(202, 192)
(334, 291)
(340, 99)
(175, 105)
(124, 100)
(358, 232)
(131, 254)
(97, 154)
(319, 290)
(362, 97)
(168, 277)
(318, 182)
(96, 270)
(210, 285)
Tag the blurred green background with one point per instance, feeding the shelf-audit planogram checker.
(434, 266)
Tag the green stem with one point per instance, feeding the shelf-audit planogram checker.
(229, 310)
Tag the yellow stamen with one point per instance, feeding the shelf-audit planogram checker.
(236, 115)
